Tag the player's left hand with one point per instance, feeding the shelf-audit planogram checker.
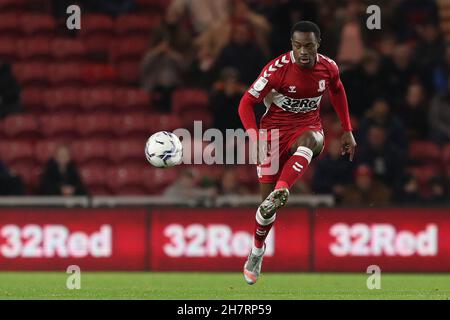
(348, 144)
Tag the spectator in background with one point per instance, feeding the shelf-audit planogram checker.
(10, 184)
(333, 172)
(366, 190)
(212, 42)
(439, 191)
(442, 72)
(186, 188)
(229, 185)
(413, 111)
(351, 39)
(382, 156)
(380, 115)
(400, 72)
(283, 15)
(429, 51)
(364, 83)
(162, 70)
(439, 116)
(410, 13)
(9, 91)
(227, 93)
(60, 175)
(201, 13)
(409, 191)
(242, 53)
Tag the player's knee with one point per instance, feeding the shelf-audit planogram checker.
(310, 141)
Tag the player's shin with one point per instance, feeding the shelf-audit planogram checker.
(295, 167)
(262, 228)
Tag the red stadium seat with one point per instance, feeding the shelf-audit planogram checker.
(45, 149)
(96, 24)
(98, 46)
(446, 153)
(63, 99)
(424, 152)
(97, 125)
(133, 125)
(34, 49)
(129, 71)
(21, 126)
(37, 24)
(128, 152)
(91, 151)
(129, 48)
(61, 126)
(131, 99)
(68, 49)
(189, 100)
(94, 177)
(167, 122)
(12, 6)
(188, 119)
(9, 24)
(126, 181)
(156, 180)
(8, 49)
(134, 24)
(66, 74)
(97, 35)
(32, 99)
(424, 173)
(34, 73)
(17, 152)
(99, 99)
(99, 74)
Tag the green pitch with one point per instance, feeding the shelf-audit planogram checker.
(103, 285)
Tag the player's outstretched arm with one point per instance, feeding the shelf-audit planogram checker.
(338, 98)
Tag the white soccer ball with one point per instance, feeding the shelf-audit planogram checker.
(164, 149)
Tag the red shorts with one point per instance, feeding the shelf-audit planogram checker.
(278, 153)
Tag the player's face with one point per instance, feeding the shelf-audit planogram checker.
(305, 45)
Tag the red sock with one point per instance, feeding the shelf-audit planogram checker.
(262, 228)
(294, 168)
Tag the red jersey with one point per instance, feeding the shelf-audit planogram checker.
(292, 94)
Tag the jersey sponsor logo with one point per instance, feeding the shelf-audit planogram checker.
(260, 84)
(298, 105)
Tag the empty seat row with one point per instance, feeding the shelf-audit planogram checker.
(34, 24)
(60, 74)
(71, 126)
(48, 49)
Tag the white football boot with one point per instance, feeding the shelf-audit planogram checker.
(252, 267)
(275, 200)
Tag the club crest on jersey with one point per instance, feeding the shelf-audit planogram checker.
(292, 89)
(321, 86)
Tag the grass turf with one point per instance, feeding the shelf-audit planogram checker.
(117, 285)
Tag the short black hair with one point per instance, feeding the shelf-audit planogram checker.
(306, 26)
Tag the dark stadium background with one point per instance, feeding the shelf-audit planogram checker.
(140, 66)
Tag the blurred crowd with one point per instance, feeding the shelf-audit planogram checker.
(397, 81)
